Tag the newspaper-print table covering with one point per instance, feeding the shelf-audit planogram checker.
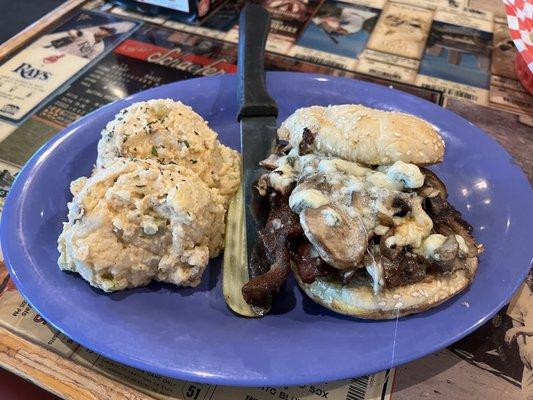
(457, 53)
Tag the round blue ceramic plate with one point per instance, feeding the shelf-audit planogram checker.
(190, 333)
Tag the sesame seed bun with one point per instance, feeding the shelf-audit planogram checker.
(367, 135)
(357, 299)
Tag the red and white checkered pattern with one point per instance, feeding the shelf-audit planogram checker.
(520, 21)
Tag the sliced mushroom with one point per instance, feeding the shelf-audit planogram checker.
(446, 252)
(282, 179)
(361, 200)
(262, 184)
(261, 290)
(372, 263)
(385, 220)
(282, 147)
(449, 256)
(315, 180)
(449, 267)
(271, 162)
(433, 186)
(448, 220)
(441, 211)
(461, 230)
(469, 248)
(312, 191)
(427, 191)
(340, 239)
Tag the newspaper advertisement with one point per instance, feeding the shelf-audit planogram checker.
(458, 47)
(340, 30)
(388, 66)
(401, 30)
(289, 18)
(37, 71)
(457, 57)
(152, 56)
(443, 45)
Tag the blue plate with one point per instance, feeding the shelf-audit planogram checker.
(189, 333)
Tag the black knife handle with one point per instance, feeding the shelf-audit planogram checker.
(254, 100)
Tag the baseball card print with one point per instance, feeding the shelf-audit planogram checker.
(401, 30)
(340, 28)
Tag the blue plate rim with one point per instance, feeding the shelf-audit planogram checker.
(12, 207)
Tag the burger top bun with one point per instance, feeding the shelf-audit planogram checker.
(361, 134)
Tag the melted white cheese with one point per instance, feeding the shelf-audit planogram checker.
(381, 180)
(407, 175)
(430, 245)
(375, 270)
(375, 190)
(338, 165)
(381, 230)
(282, 177)
(411, 230)
(307, 198)
(331, 217)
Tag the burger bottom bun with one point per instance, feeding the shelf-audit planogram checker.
(357, 299)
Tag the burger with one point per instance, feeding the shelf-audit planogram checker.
(366, 228)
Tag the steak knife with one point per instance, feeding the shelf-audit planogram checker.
(257, 117)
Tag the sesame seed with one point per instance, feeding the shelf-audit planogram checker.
(396, 296)
(397, 134)
(398, 305)
(426, 141)
(382, 303)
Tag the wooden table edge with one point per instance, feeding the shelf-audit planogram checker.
(59, 375)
